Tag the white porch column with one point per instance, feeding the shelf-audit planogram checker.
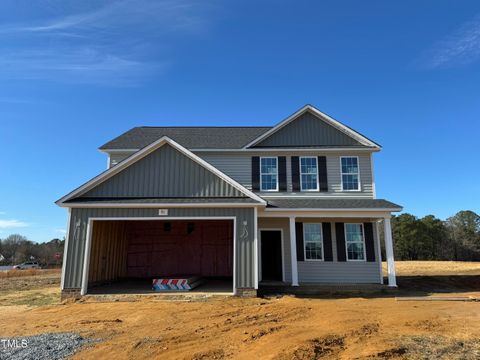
(392, 281)
(293, 251)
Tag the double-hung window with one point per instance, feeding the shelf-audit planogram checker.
(308, 173)
(355, 242)
(313, 241)
(350, 173)
(269, 174)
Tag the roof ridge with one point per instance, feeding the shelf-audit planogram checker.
(203, 127)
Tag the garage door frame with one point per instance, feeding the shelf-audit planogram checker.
(86, 260)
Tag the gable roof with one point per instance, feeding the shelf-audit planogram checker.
(243, 137)
(101, 178)
(360, 139)
(189, 137)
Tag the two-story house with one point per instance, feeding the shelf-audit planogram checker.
(291, 204)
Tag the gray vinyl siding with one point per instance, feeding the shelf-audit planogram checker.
(333, 272)
(115, 158)
(239, 167)
(244, 251)
(283, 224)
(164, 173)
(308, 130)
(324, 271)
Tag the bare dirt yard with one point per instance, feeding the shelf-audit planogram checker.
(362, 326)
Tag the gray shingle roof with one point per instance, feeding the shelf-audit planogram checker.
(332, 204)
(189, 137)
(143, 200)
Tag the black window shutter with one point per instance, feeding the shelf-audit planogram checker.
(322, 173)
(282, 173)
(327, 242)
(369, 241)
(295, 174)
(299, 236)
(255, 173)
(340, 234)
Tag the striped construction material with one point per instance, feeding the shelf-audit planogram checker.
(176, 284)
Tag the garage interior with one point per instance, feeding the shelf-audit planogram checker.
(126, 255)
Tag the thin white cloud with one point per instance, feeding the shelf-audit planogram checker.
(75, 66)
(104, 42)
(61, 231)
(462, 47)
(12, 224)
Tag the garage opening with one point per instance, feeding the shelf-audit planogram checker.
(126, 255)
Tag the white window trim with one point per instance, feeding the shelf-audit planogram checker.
(300, 172)
(363, 239)
(305, 243)
(261, 183)
(342, 173)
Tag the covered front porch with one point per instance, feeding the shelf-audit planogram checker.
(328, 248)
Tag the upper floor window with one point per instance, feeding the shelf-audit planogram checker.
(350, 173)
(268, 174)
(355, 242)
(308, 174)
(313, 241)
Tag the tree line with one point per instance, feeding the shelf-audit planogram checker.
(16, 249)
(429, 238)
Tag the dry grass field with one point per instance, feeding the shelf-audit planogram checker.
(368, 326)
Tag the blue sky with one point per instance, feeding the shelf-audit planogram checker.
(74, 74)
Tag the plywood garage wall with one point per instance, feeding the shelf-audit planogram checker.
(108, 259)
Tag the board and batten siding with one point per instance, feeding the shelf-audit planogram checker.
(164, 173)
(245, 250)
(239, 167)
(308, 130)
(336, 272)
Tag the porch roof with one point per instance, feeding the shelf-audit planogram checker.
(333, 204)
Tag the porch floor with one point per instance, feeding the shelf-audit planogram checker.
(280, 287)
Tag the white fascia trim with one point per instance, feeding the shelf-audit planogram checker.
(311, 196)
(273, 150)
(352, 133)
(108, 151)
(144, 152)
(161, 205)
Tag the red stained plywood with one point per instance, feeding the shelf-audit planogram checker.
(205, 251)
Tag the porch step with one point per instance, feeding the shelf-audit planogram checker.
(322, 289)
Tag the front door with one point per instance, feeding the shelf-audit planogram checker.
(271, 254)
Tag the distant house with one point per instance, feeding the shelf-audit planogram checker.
(290, 204)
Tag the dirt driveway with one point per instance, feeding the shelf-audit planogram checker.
(280, 328)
